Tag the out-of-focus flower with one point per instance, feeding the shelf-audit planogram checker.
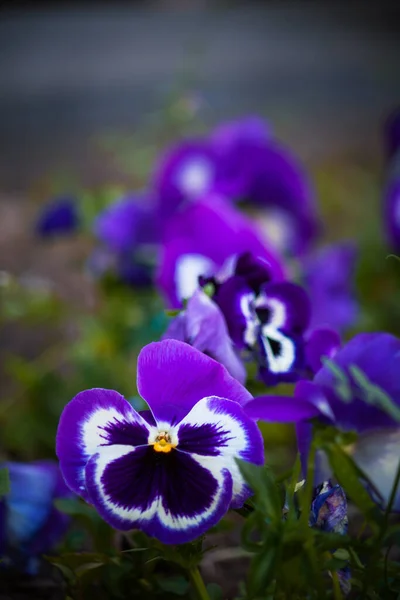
(129, 233)
(202, 325)
(199, 240)
(58, 217)
(270, 319)
(127, 223)
(30, 525)
(241, 161)
(359, 391)
(170, 472)
(329, 279)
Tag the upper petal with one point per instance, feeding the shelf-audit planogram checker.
(282, 409)
(172, 377)
(92, 419)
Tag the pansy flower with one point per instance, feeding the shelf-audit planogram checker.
(59, 217)
(361, 393)
(169, 471)
(270, 319)
(128, 231)
(199, 240)
(241, 161)
(30, 525)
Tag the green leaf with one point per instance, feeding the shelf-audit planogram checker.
(373, 394)
(262, 569)
(342, 384)
(4, 482)
(263, 484)
(176, 585)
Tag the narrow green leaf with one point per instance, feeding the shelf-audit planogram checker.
(342, 384)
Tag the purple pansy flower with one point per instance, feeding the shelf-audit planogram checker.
(362, 394)
(58, 217)
(329, 278)
(242, 162)
(270, 319)
(170, 471)
(202, 325)
(30, 525)
(198, 242)
(129, 233)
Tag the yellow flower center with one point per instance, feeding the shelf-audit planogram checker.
(163, 443)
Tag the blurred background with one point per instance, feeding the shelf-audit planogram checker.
(90, 93)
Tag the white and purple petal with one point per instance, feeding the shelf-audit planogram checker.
(170, 496)
(95, 418)
(173, 376)
(215, 432)
(284, 305)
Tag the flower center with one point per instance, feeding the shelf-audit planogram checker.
(163, 442)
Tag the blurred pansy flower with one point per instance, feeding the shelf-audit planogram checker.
(128, 233)
(30, 525)
(241, 161)
(202, 325)
(199, 240)
(270, 320)
(328, 276)
(170, 471)
(59, 217)
(359, 390)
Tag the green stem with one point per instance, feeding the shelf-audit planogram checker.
(198, 584)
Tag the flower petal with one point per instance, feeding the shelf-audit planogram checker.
(282, 409)
(322, 342)
(170, 496)
(219, 430)
(207, 331)
(288, 305)
(172, 377)
(95, 418)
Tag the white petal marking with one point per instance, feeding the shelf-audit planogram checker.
(187, 271)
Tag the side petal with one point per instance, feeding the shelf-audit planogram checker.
(172, 377)
(169, 496)
(321, 342)
(218, 430)
(92, 419)
(281, 409)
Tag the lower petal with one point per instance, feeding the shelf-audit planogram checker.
(170, 496)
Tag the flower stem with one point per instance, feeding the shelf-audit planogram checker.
(198, 584)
